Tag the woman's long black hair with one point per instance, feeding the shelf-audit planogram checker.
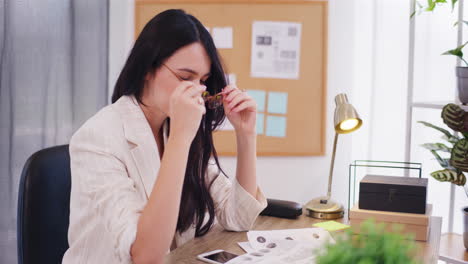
(160, 38)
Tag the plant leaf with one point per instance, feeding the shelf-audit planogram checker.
(430, 5)
(453, 139)
(454, 117)
(419, 8)
(459, 48)
(459, 155)
(464, 22)
(453, 176)
(457, 52)
(453, 4)
(375, 244)
(445, 131)
(444, 175)
(444, 163)
(437, 147)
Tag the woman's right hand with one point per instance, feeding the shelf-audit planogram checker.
(186, 108)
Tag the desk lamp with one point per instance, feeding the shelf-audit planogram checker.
(346, 121)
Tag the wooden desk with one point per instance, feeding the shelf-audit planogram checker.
(220, 239)
(452, 249)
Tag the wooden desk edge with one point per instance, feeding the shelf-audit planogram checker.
(188, 252)
(435, 231)
(461, 255)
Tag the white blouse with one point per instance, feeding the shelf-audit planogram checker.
(114, 164)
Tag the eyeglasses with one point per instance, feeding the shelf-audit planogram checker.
(211, 101)
(173, 72)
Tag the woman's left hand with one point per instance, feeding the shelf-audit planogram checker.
(240, 109)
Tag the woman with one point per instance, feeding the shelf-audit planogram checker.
(145, 174)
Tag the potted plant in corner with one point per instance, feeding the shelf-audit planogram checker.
(455, 161)
(460, 71)
(462, 74)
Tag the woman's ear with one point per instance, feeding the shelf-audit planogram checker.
(149, 76)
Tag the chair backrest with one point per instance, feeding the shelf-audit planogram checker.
(44, 206)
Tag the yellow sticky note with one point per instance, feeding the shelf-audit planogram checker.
(331, 226)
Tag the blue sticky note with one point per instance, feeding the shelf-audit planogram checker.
(260, 121)
(277, 103)
(276, 126)
(259, 97)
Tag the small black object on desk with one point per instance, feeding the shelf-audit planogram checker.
(283, 209)
(393, 194)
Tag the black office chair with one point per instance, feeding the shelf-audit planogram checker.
(44, 206)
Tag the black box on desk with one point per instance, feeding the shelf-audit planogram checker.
(393, 194)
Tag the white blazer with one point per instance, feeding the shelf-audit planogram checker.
(114, 164)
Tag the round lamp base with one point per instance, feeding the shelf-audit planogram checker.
(323, 208)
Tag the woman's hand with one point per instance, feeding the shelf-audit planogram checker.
(240, 109)
(186, 108)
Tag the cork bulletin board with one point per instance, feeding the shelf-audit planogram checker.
(301, 130)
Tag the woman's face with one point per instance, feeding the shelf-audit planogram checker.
(190, 63)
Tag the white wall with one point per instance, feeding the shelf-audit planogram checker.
(292, 178)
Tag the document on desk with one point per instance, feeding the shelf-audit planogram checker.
(285, 246)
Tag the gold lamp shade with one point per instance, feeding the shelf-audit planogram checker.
(346, 118)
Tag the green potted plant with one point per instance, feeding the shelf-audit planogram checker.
(373, 245)
(460, 71)
(453, 154)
